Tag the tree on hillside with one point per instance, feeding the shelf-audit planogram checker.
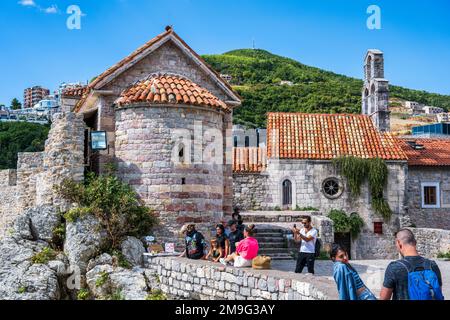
(15, 104)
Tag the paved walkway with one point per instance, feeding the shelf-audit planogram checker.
(371, 272)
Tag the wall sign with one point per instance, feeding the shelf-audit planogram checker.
(99, 140)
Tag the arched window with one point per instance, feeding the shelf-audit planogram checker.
(372, 88)
(181, 153)
(287, 192)
(369, 68)
(235, 142)
(247, 141)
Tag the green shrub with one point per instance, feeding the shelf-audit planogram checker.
(343, 223)
(47, 254)
(297, 208)
(156, 295)
(101, 280)
(357, 170)
(115, 204)
(22, 290)
(444, 255)
(83, 294)
(116, 295)
(59, 234)
(122, 261)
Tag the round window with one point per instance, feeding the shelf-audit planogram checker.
(332, 188)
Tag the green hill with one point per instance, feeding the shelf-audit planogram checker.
(20, 137)
(257, 75)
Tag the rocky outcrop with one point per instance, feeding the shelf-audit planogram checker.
(133, 250)
(83, 242)
(109, 282)
(20, 279)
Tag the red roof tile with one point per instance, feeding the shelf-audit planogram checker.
(249, 160)
(433, 152)
(169, 89)
(328, 136)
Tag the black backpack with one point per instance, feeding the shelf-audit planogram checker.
(317, 247)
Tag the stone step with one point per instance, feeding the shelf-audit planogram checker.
(270, 239)
(281, 245)
(275, 250)
(268, 234)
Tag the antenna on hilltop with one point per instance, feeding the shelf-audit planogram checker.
(254, 44)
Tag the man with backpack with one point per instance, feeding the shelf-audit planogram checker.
(308, 248)
(413, 277)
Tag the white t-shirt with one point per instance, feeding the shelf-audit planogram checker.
(310, 246)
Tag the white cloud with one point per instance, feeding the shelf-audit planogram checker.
(53, 9)
(27, 3)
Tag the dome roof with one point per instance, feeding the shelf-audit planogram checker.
(164, 88)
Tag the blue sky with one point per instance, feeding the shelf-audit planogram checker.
(38, 49)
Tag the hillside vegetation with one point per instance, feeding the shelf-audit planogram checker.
(257, 75)
(18, 137)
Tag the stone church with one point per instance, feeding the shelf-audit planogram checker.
(168, 116)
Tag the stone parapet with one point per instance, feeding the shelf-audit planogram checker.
(202, 280)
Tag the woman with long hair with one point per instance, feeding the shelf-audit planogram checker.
(246, 250)
(222, 239)
(349, 284)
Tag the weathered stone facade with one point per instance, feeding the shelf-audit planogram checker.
(438, 218)
(250, 191)
(431, 242)
(37, 174)
(201, 280)
(307, 177)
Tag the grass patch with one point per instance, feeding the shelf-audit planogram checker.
(43, 257)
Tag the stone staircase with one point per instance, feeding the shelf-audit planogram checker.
(273, 243)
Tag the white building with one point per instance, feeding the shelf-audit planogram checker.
(432, 110)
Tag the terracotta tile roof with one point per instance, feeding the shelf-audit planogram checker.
(327, 136)
(248, 160)
(169, 89)
(168, 32)
(432, 152)
(75, 92)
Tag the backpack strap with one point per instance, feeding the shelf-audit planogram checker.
(405, 264)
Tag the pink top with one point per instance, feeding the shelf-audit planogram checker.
(248, 248)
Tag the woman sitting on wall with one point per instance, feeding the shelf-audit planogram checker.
(222, 239)
(246, 250)
(349, 284)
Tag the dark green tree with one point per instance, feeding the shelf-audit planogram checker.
(15, 104)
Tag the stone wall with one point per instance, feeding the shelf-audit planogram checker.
(32, 184)
(438, 218)
(307, 177)
(202, 280)
(147, 146)
(430, 242)
(250, 191)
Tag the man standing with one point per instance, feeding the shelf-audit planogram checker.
(308, 237)
(235, 235)
(413, 277)
(194, 242)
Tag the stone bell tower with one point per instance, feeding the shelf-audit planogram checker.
(375, 96)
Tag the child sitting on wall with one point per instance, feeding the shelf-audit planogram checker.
(215, 251)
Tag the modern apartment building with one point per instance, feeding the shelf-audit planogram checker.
(33, 95)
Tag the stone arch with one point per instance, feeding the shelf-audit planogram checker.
(372, 89)
(369, 65)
